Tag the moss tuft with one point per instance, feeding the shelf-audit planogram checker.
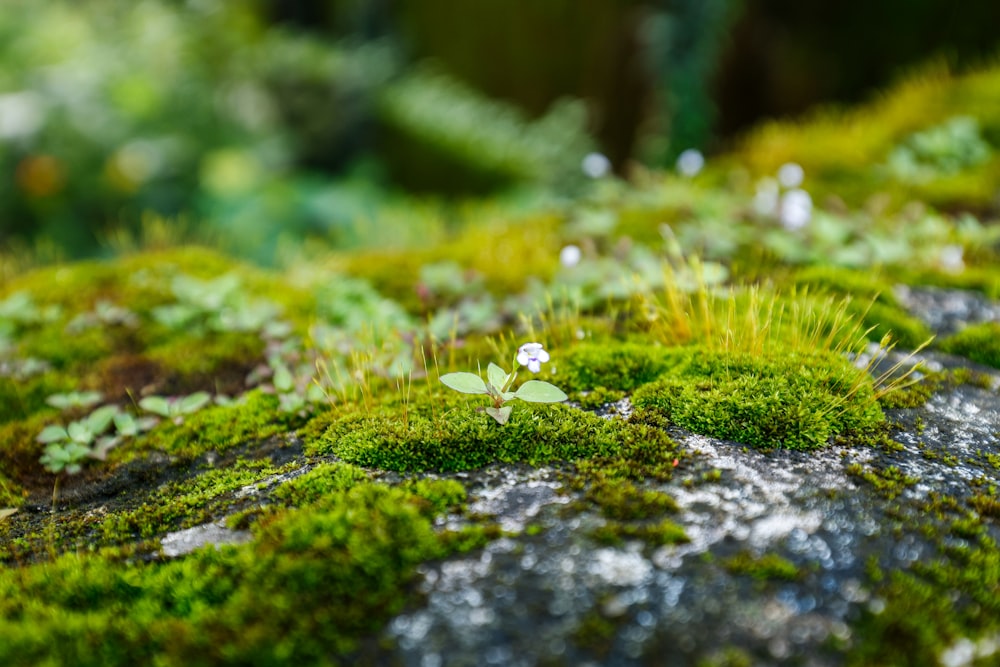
(979, 342)
(465, 439)
(798, 401)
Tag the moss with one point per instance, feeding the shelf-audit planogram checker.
(797, 401)
(592, 400)
(23, 398)
(187, 503)
(465, 439)
(621, 366)
(308, 589)
(927, 608)
(216, 429)
(763, 567)
(659, 533)
(645, 452)
(979, 342)
(889, 481)
(624, 501)
(320, 482)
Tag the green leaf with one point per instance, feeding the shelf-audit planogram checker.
(99, 420)
(52, 434)
(497, 376)
(194, 402)
(283, 380)
(157, 405)
(500, 414)
(79, 433)
(6, 512)
(125, 424)
(467, 383)
(536, 391)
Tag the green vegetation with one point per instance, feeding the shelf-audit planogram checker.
(795, 402)
(980, 343)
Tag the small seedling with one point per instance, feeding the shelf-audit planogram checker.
(66, 448)
(175, 408)
(74, 399)
(499, 382)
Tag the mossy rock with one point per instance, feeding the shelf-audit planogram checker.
(611, 365)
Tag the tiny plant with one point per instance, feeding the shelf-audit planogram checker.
(175, 408)
(498, 383)
(67, 448)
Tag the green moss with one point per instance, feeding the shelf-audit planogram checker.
(217, 429)
(979, 342)
(621, 366)
(308, 589)
(763, 567)
(889, 481)
(659, 533)
(320, 482)
(592, 400)
(187, 503)
(927, 608)
(624, 501)
(644, 452)
(798, 401)
(465, 439)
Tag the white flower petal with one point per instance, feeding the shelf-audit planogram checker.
(534, 365)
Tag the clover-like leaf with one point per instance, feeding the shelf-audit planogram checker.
(500, 414)
(467, 383)
(536, 391)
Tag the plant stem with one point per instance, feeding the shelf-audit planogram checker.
(55, 495)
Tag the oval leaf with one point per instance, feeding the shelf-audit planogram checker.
(156, 404)
(194, 402)
(467, 383)
(52, 434)
(536, 391)
(500, 414)
(497, 376)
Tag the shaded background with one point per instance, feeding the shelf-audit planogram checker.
(271, 119)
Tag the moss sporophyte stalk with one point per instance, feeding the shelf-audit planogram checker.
(498, 383)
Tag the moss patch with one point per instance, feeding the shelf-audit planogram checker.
(798, 401)
(979, 342)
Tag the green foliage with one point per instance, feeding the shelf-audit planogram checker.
(763, 567)
(464, 440)
(612, 365)
(797, 401)
(309, 589)
(979, 342)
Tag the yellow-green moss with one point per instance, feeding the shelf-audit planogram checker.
(610, 365)
(309, 589)
(979, 342)
(763, 567)
(465, 438)
(216, 429)
(797, 401)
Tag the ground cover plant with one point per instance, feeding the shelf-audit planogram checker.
(307, 417)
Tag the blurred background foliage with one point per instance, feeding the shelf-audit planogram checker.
(257, 123)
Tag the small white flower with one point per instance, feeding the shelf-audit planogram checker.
(796, 209)
(790, 175)
(596, 165)
(570, 256)
(532, 355)
(690, 162)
